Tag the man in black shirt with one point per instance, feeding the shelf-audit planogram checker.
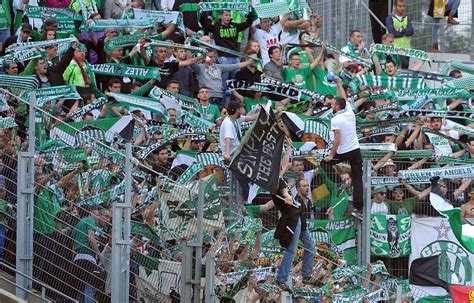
(167, 69)
(249, 74)
(291, 228)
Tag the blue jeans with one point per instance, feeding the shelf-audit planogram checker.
(451, 7)
(308, 255)
(3, 238)
(228, 75)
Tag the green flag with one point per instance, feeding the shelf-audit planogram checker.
(390, 235)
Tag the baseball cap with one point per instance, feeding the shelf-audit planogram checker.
(389, 162)
(379, 189)
(26, 27)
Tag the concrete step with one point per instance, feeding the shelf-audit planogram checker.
(7, 291)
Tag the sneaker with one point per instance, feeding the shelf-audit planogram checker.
(284, 287)
(357, 213)
(311, 281)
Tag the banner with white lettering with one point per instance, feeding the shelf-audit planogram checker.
(258, 157)
(340, 234)
(390, 235)
(462, 171)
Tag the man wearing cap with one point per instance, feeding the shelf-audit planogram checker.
(23, 36)
(389, 169)
(379, 207)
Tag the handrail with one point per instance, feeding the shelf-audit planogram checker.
(22, 288)
(38, 282)
(373, 15)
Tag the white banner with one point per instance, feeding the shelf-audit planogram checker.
(157, 285)
(433, 236)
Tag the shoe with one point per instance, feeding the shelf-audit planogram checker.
(284, 287)
(435, 48)
(311, 281)
(357, 213)
(452, 21)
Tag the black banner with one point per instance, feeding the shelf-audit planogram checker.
(258, 157)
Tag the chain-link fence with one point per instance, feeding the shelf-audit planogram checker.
(342, 16)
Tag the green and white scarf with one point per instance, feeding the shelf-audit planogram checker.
(378, 131)
(62, 44)
(386, 81)
(395, 181)
(401, 51)
(400, 154)
(59, 14)
(167, 44)
(21, 82)
(195, 121)
(140, 102)
(224, 50)
(130, 71)
(413, 94)
(125, 41)
(464, 82)
(225, 6)
(104, 196)
(7, 122)
(378, 146)
(87, 108)
(167, 17)
(452, 172)
(288, 92)
(424, 75)
(44, 95)
(457, 65)
(180, 100)
(20, 56)
(385, 107)
(100, 25)
(271, 9)
(304, 91)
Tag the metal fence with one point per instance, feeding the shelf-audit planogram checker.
(342, 16)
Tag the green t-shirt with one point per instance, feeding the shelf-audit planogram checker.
(210, 113)
(324, 87)
(250, 103)
(402, 208)
(6, 211)
(80, 235)
(46, 208)
(302, 78)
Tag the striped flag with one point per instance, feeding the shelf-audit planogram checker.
(104, 130)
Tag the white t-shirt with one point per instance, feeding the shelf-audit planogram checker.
(267, 39)
(346, 49)
(379, 208)
(229, 130)
(440, 144)
(345, 121)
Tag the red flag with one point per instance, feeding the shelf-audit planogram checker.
(462, 294)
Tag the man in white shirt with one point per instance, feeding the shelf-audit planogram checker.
(266, 36)
(346, 148)
(355, 47)
(230, 134)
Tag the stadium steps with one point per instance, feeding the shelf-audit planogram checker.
(7, 291)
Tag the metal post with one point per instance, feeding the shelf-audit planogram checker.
(344, 32)
(209, 295)
(472, 29)
(186, 273)
(365, 241)
(25, 204)
(399, 294)
(121, 237)
(25, 207)
(198, 243)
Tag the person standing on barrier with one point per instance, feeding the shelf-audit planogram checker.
(291, 228)
(346, 148)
